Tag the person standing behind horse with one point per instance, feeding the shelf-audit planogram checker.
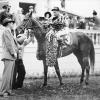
(9, 55)
(58, 18)
(47, 16)
(60, 25)
(47, 21)
(51, 39)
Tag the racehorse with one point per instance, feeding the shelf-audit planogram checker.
(82, 47)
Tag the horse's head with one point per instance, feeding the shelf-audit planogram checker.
(25, 24)
(33, 24)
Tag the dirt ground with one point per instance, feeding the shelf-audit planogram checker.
(71, 90)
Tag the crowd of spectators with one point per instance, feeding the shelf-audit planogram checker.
(76, 22)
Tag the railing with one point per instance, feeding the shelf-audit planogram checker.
(94, 35)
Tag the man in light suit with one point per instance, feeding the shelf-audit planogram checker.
(9, 55)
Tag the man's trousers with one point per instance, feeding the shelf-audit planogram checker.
(19, 74)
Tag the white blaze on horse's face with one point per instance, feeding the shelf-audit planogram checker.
(31, 10)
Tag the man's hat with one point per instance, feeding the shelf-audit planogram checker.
(7, 20)
(55, 9)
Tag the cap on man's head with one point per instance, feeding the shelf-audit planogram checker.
(7, 20)
(55, 9)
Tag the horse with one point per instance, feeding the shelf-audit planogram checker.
(82, 48)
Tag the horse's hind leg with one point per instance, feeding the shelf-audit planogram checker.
(84, 62)
(80, 60)
(58, 73)
(87, 66)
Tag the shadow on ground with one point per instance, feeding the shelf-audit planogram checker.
(71, 90)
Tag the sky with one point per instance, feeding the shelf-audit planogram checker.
(83, 7)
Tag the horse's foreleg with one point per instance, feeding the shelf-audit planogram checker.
(58, 73)
(82, 75)
(86, 64)
(45, 73)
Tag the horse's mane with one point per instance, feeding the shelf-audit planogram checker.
(36, 23)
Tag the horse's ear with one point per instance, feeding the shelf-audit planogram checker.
(28, 15)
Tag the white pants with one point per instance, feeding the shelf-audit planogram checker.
(7, 78)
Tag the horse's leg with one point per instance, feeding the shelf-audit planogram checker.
(58, 73)
(79, 56)
(45, 73)
(87, 66)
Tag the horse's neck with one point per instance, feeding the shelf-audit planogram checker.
(40, 39)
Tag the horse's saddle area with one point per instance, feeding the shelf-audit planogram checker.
(65, 36)
(64, 45)
(62, 35)
(65, 40)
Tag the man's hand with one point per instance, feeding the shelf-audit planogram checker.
(14, 55)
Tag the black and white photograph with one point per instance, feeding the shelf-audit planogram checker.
(49, 49)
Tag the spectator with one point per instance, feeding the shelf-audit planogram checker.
(9, 55)
(47, 21)
(71, 22)
(96, 21)
(58, 19)
(47, 15)
(82, 23)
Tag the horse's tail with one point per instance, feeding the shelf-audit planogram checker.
(92, 57)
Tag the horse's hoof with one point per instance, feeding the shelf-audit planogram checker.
(44, 85)
(61, 84)
(87, 83)
(81, 81)
(81, 84)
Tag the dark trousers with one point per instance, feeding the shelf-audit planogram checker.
(19, 74)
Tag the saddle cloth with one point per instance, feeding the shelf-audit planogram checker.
(63, 35)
